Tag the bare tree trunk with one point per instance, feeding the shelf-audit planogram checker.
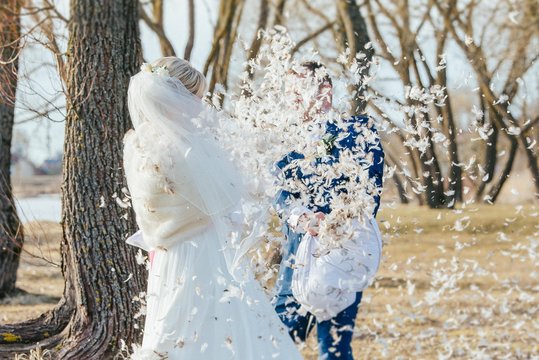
(398, 184)
(501, 113)
(491, 148)
(100, 270)
(400, 188)
(11, 235)
(357, 39)
(191, 38)
(435, 178)
(454, 179)
(15, 338)
(532, 163)
(46, 330)
(432, 179)
(279, 12)
(105, 52)
(497, 188)
(254, 49)
(455, 173)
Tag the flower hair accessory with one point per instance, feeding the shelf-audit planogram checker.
(158, 70)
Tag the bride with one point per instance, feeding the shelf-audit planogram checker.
(201, 302)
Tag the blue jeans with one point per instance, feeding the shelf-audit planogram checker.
(329, 348)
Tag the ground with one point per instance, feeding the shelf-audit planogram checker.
(453, 284)
(39, 274)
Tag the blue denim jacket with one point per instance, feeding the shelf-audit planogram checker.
(376, 170)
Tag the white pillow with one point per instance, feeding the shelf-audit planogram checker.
(326, 285)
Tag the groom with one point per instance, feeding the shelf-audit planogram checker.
(334, 335)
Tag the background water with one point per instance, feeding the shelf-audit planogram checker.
(42, 208)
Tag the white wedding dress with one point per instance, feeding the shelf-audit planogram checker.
(195, 307)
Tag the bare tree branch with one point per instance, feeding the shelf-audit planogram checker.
(157, 27)
(311, 36)
(191, 38)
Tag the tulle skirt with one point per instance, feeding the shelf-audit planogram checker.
(196, 310)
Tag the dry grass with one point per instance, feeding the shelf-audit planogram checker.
(39, 274)
(447, 292)
(36, 354)
(453, 284)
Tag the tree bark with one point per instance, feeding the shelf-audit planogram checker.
(454, 178)
(435, 193)
(254, 49)
(497, 188)
(11, 234)
(279, 13)
(400, 188)
(100, 271)
(15, 338)
(356, 39)
(491, 148)
(455, 173)
(191, 39)
(398, 183)
(46, 329)
(105, 52)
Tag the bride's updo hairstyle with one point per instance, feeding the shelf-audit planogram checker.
(191, 78)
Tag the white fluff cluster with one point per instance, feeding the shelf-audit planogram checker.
(267, 121)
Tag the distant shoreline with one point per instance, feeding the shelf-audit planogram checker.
(32, 186)
(516, 191)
